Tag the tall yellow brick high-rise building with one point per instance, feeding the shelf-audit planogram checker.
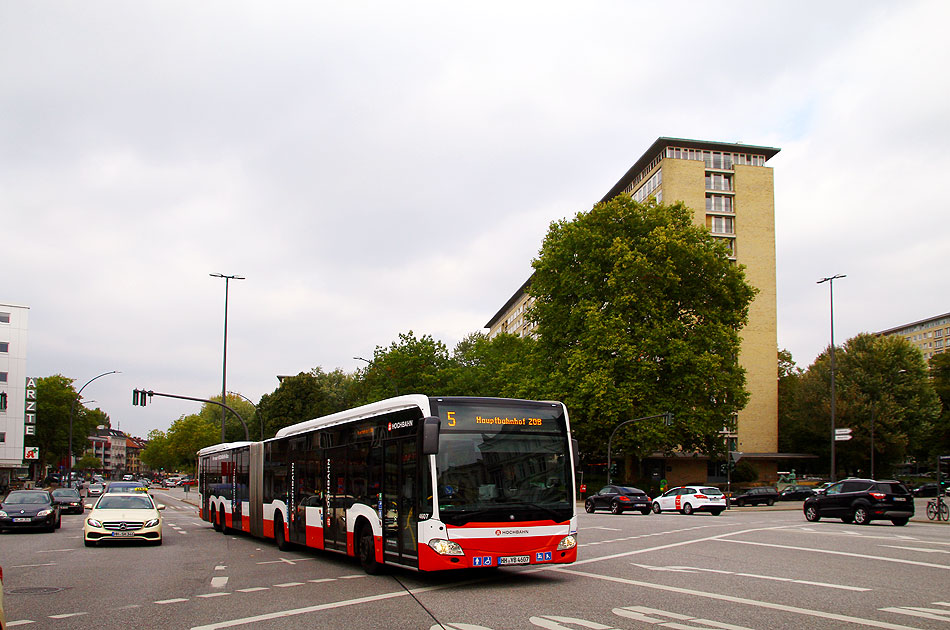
(731, 192)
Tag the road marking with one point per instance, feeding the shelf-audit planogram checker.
(55, 550)
(220, 567)
(171, 601)
(642, 613)
(21, 622)
(917, 549)
(286, 561)
(219, 582)
(209, 595)
(680, 569)
(937, 614)
(253, 589)
(30, 566)
(741, 600)
(353, 577)
(841, 553)
(288, 584)
(68, 615)
(323, 580)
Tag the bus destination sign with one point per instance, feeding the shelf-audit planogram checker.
(493, 420)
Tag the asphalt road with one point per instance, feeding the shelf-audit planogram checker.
(763, 568)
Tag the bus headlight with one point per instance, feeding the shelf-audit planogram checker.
(446, 547)
(568, 542)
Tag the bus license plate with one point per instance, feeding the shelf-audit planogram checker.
(123, 534)
(509, 560)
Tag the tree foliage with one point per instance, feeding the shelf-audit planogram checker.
(303, 397)
(56, 398)
(638, 312)
(939, 438)
(880, 382)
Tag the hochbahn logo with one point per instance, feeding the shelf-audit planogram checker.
(510, 532)
(400, 425)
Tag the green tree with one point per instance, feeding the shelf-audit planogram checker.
(303, 397)
(89, 462)
(187, 436)
(407, 366)
(879, 381)
(156, 454)
(501, 366)
(939, 437)
(55, 399)
(638, 312)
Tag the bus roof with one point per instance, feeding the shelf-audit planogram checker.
(227, 446)
(359, 413)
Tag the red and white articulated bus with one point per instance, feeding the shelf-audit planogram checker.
(426, 483)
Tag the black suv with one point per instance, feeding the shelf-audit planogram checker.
(753, 496)
(618, 499)
(862, 501)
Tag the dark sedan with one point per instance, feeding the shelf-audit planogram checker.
(68, 500)
(618, 499)
(24, 509)
(796, 493)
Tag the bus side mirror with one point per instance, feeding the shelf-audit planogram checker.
(430, 435)
(576, 448)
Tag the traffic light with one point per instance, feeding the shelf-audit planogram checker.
(138, 397)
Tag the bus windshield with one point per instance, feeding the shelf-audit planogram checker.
(499, 464)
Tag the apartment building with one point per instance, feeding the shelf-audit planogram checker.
(731, 192)
(931, 336)
(17, 415)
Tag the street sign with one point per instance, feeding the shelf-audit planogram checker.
(842, 437)
(736, 456)
(842, 431)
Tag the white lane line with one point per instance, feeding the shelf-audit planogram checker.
(742, 600)
(322, 580)
(68, 615)
(219, 582)
(30, 566)
(841, 553)
(353, 577)
(288, 584)
(171, 601)
(916, 549)
(55, 550)
(220, 567)
(936, 614)
(209, 595)
(21, 622)
(681, 569)
(253, 589)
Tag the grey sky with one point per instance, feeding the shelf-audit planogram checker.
(374, 168)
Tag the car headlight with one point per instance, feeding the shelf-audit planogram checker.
(3, 514)
(93, 522)
(151, 523)
(446, 547)
(568, 542)
(44, 512)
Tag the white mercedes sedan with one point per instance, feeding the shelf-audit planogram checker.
(124, 516)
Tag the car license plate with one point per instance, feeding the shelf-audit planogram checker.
(509, 560)
(22, 520)
(123, 534)
(900, 498)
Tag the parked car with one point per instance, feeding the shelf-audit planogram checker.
(689, 499)
(755, 496)
(821, 489)
(95, 490)
(862, 501)
(796, 493)
(124, 516)
(25, 509)
(929, 490)
(68, 500)
(618, 499)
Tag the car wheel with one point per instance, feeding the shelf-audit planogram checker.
(716, 512)
(687, 509)
(771, 502)
(811, 514)
(900, 522)
(279, 535)
(656, 507)
(615, 508)
(740, 503)
(861, 516)
(589, 506)
(645, 511)
(367, 550)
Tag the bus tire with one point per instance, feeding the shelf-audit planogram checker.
(280, 536)
(215, 523)
(366, 550)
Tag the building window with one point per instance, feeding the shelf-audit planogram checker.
(721, 225)
(4, 318)
(3, 377)
(718, 181)
(3, 401)
(3, 437)
(4, 347)
(719, 203)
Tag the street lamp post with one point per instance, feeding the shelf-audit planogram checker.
(257, 413)
(224, 362)
(831, 293)
(72, 413)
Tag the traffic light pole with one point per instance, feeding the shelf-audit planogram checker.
(139, 394)
(668, 417)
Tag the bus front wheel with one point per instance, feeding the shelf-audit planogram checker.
(280, 537)
(367, 551)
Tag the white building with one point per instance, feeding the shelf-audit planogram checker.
(13, 390)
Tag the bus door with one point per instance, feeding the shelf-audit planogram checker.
(400, 461)
(334, 509)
